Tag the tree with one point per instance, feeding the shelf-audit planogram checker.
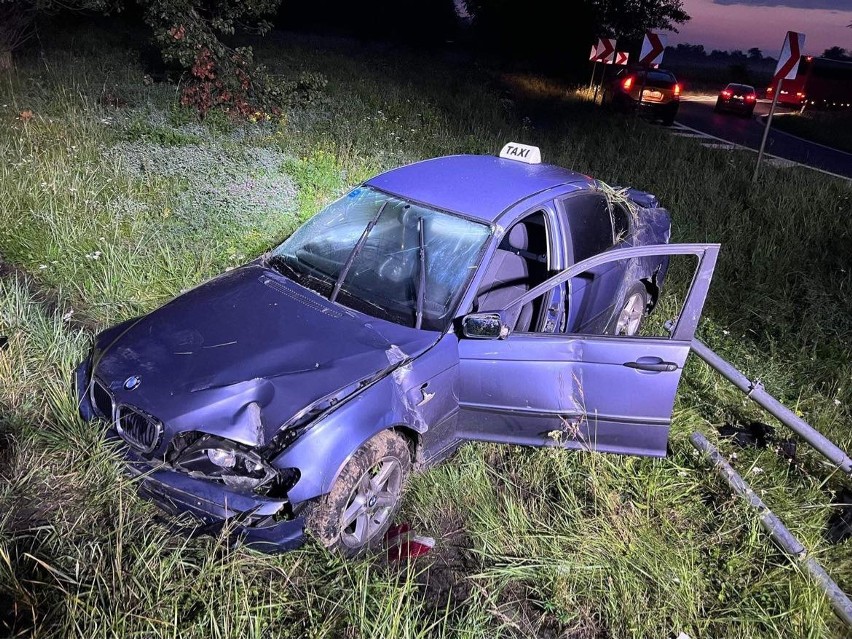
(557, 34)
(17, 19)
(836, 53)
(755, 55)
(187, 32)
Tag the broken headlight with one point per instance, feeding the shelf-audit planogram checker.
(223, 461)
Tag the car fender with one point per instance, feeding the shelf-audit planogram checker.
(321, 453)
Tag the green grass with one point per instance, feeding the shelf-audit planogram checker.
(832, 128)
(111, 212)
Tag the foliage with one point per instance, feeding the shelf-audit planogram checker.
(191, 32)
(837, 53)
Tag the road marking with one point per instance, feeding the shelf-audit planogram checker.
(686, 134)
(778, 161)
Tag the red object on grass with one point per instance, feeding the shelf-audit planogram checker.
(403, 544)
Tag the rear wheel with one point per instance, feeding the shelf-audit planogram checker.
(629, 319)
(354, 516)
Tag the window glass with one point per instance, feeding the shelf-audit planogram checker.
(384, 277)
(590, 225)
(615, 298)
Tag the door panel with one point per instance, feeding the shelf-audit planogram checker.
(606, 393)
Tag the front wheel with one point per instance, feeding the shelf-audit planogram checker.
(632, 313)
(354, 516)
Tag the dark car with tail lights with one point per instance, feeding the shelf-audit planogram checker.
(651, 92)
(737, 98)
(463, 298)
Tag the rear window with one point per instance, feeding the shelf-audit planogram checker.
(661, 76)
(741, 88)
(590, 225)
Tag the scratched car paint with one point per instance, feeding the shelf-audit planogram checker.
(456, 299)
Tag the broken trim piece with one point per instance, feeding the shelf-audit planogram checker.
(776, 529)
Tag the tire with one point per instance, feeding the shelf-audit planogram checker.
(353, 517)
(718, 107)
(632, 312)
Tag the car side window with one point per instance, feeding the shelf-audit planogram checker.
(589, 224)
(620, 223)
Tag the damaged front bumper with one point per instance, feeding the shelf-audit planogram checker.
(257, 522)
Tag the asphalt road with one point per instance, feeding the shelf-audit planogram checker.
(697, 112)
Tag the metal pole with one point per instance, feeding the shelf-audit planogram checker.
(599, 84)
(594, 69)
(779, 533)
(642, 88)
(755, 392)
(766, 130)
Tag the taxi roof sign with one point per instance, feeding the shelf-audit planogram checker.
(521, 153)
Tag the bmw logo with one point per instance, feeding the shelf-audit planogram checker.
(132, 382)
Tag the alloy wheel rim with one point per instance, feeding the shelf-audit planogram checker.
(371, 503)
(630, 316)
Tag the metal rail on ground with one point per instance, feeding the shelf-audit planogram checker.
(777, 530)
(754, 391)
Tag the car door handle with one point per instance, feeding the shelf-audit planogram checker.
(658, 366)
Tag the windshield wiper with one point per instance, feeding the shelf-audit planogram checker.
(421, 284)
(358, 246)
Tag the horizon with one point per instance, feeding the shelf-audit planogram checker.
(730, 25)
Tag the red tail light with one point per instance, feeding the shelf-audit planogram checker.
(800, 94)
(628, 82)
(677, 90)
(726, 94)
(751, 97)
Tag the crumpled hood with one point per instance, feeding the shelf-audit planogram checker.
(250, 335)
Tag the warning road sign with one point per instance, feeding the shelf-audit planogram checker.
(788, 61)
(653, 47)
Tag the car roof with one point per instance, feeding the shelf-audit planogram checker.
(747, 87)
(478, 186)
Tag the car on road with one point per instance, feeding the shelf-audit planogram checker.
(660, 93)
(463, 298)
(737, 98)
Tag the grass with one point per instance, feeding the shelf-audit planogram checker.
(832, 128)
(108, 213)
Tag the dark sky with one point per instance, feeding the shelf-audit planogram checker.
(743, 24)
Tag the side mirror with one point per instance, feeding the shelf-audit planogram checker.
(484, 326)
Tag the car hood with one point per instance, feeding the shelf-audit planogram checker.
(250, 334)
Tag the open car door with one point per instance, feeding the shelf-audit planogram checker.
(602, 392)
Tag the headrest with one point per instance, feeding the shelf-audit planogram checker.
(518, 237)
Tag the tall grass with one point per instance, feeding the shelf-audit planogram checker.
(112, 211)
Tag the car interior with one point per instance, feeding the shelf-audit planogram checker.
(519, 264)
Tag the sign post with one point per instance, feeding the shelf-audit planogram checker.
(788, 66)
(604, 52)
(593, 56)
(653, 48)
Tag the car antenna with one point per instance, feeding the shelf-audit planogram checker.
(358, 246)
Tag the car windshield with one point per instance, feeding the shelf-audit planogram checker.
(364, 251)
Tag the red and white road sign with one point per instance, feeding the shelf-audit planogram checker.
(605, 50)
(653, 47)
(621, 57)
(788, 61)
(594, 53)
